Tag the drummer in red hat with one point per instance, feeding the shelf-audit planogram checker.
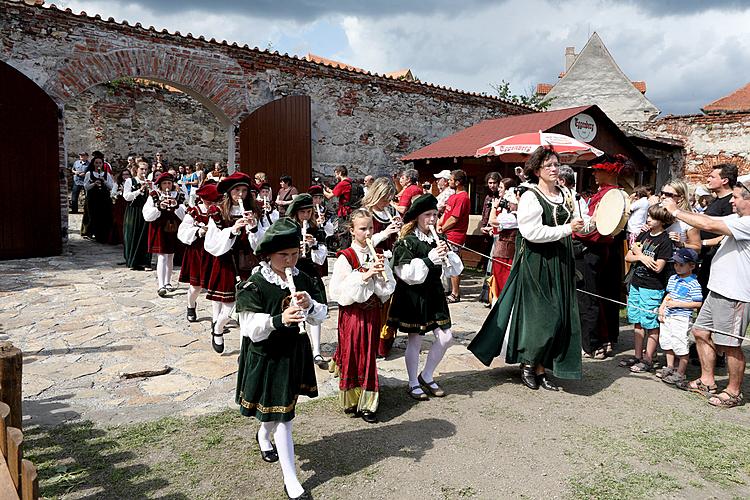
(195, 268)
(163, 210)
(600, 260)
(232, 235)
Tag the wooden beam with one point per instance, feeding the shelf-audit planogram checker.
(29, 482)
(11, 366)
(15, 455)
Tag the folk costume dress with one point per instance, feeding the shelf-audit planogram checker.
(234, 256)
(97, 210)
(418, 304)
(135, 229)
(163, 211)
(381, 219)
(503, 249)
(275, 363)
(360, 305)
(196, 263)
(118, 214)
(537, 312)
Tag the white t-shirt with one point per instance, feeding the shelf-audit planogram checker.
(730, 269)
(638, 215)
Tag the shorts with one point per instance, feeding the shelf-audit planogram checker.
(674, 334)
(644, 298)
(726, 315)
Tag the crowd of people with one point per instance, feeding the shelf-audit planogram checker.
(262, 259)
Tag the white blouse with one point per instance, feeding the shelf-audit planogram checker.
(530, 219)
(220, 241)
(258, 326)
(151, 212)
(415, 272)
(347, 286)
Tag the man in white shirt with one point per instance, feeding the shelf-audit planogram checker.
(727, 307)
(445, 191)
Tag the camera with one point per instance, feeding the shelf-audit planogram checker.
(317, 181)
(503, 204)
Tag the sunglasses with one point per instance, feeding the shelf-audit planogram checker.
(668, 195)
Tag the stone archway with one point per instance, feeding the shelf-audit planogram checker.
(218, 83)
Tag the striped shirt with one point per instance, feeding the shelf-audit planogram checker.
(684, 290)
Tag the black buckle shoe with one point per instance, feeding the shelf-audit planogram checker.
(369, 417)
(191, 316)
(269, 456)
(546, 383)
(528, 377)
(304, 496)
(219, 348)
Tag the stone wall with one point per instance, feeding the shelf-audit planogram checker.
(359, 119)
(708, 139)
(128, 117)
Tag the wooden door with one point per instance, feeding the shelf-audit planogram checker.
(276, 139)
(29, 170)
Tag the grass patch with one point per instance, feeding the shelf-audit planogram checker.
(715, 450)
(616, 480)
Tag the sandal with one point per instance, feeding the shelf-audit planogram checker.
(627, 362)
(697, 386)
(609, 350)
(600, 353)
(731, 400)
(452, 299)
(665, 372)
(642, 367)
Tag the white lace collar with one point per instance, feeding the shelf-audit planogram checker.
(272, 277)
(427, 238)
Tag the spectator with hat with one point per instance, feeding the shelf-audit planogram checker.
(163, 210)
(683, 296)
(726, 309)
(196, 262)
(79, 168)
(444, 190)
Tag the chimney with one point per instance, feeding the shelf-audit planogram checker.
(570, 57)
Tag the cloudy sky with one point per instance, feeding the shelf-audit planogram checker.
(689, 52)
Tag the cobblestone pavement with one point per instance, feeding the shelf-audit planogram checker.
(82, 319)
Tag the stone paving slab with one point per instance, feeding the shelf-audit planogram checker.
(82, 320)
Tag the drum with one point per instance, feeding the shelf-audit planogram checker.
(612, 212)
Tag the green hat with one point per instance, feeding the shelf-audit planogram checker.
(419, 206)
(300, 202)
(282, 234)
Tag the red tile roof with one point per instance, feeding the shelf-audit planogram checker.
(543, 88)
(736, 102)
(466, 142)
(330, 62)
(640, 85)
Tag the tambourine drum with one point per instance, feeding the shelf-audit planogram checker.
(612, 212)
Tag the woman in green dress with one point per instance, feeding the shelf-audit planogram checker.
(276, 365)
(419, 305)
(536, 320)
(135, 230)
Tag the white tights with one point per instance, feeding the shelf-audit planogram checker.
(314, 332)
(164, 264)
(220, 315)
(443, 339)
(192, 296)
(282, 435)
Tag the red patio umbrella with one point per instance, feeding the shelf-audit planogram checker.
(517, 148)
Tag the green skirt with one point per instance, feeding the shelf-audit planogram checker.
(273, 374)
(135, 236)
(538, 311)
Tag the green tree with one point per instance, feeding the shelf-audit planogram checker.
(530, 98)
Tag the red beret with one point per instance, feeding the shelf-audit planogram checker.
(166, 176)
(209, 192)
(234, 180)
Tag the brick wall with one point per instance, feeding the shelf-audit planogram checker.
(709, 140)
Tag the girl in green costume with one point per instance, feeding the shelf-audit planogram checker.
(536, 316)
(276, 365)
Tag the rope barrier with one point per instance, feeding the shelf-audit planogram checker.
(654, 311)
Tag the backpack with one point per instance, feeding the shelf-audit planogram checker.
(357, 193)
